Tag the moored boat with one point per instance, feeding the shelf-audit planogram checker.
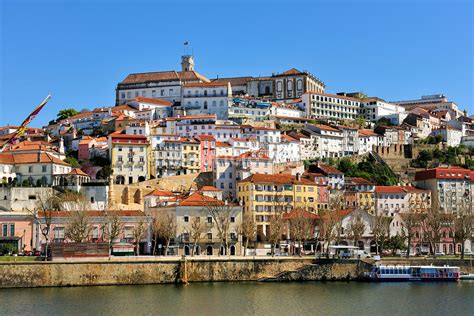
(467, 276)
(383, 273)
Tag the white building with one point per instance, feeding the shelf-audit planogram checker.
(330, 106)
(292, 83)
(207, 98)
(374, 109)
(367, 140)
(165, 85)
(329, 140)
(451, 136)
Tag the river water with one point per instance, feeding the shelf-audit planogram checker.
(312, 298)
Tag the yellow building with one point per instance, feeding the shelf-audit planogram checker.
(190, 156)
(264, 194)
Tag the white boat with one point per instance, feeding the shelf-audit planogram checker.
(469, 276)
(396, 273)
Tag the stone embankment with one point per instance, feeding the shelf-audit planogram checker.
(158, 271)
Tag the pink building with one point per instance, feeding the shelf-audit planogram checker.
(16, 229)
(208, 151)
(90, 147)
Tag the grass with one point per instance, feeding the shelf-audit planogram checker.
(16, 259)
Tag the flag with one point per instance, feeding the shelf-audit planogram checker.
(21, 130)
(186, 43)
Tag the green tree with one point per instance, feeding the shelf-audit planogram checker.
(63, 114)
(72, 161)
(104, 172)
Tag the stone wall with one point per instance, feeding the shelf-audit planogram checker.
(152, 271)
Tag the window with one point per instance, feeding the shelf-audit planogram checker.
(128, 232)
(279, 86)
(209, 219)
(12, 230)
(162, 92)
(122, 95)
(232, 219)
(136, 93)
(4, 230)
(209, 236)
(59, 233)
(186, 219)
(92, 199)
(30, 169)
(153, 93)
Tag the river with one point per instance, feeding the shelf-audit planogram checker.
(312, 298)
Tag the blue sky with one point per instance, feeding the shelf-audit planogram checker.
(79, 50)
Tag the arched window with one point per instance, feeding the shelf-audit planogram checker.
(209, 250)
(186, 250)
(279, 86)
(214, 93)
(205, 105)
(188, 104)
(232, 250)
(205, 92)
(197, 251)
(221, 103)
(299, 84)
(214, 104)
(290, 85)
(196, 103)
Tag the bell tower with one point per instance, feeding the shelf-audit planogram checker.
(187, 63)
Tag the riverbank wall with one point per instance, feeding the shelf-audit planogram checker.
(136, 272)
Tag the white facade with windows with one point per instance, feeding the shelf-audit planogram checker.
(330, 106)
(207, 98)
(374, 109)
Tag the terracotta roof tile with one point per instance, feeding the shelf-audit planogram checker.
(197, 199)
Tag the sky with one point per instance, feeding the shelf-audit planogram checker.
(79, 50)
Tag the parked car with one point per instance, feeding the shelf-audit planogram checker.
(36, 253)
(361, 254)
(440, 253)
(26, 253)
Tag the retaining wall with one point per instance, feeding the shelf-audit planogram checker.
(86, 273)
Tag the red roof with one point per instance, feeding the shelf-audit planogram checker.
(197, 199)
(30, 158)
(357, 180)
(277, 178)
(161, 193)
(153, 101)
(78, 172)
(205, 137)
(163, 76)
(444, 173)
(389, 189)
(209, 188)
(327, 169)
(367, 133)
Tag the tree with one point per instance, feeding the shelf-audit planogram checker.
(63, 114)
(138, 233)
(360, 121)
(381, 231)
(463, 224)
(275, 231)
(248, 229)
(78, 227)
(166, 228)
(395, 243)
(410, 223)
(301, 226)
(220, 213)
(432, 225)
(355, 229)
(104, 173)
(112, 227)
(73, 162)
(196, 230)
(44, 217)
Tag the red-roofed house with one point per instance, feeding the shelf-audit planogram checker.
(230, 169)
(129, 156)
(451, 187)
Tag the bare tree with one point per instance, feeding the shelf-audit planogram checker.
(463, 224)
(355, 229)
(301, 227)
(138, 233)
(220, 213)
(166, 228)
(196, 230)
(78, 227)
(432, 226)
(329, 228)
(44, 217)
(381, 231)
(155, 228)
(275, 231)
(112, 227)
(410, 224)
(248, 229)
